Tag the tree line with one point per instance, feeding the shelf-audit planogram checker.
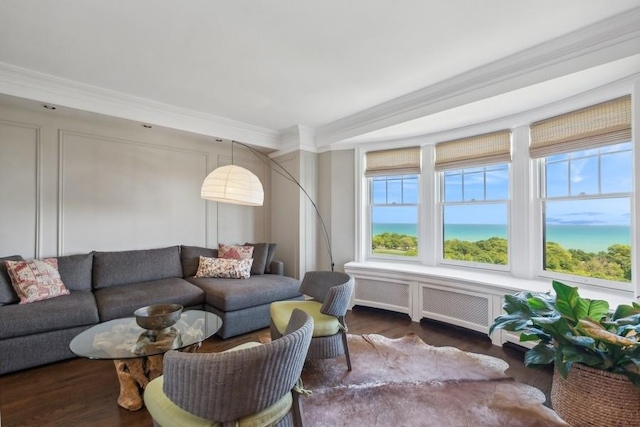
(612, 264)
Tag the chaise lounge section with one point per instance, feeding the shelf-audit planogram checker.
(108, 285)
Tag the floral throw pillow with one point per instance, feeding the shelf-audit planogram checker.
(36, 279)
(224, 268)
(234, 251)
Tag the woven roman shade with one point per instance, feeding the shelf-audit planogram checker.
(477, 150)
(399, 161)
(600, 124)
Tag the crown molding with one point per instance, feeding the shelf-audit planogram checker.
(29, 84)
(590, 97)
(296, 138)
(603, 42)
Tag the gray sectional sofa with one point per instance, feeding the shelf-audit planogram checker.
(108, 285)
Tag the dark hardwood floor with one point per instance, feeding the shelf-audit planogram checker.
(81, 392)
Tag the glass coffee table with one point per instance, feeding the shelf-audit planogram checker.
(137, 353)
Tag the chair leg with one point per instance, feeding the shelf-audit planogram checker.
(346, 349)
(296, 408)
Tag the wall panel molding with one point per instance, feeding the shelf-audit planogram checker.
(128, 170)
(10, 184)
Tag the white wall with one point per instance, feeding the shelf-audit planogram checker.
(73, 182)
(336, 201)
(285, 222)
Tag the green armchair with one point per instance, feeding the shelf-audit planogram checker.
(249, 385)
(331, 292)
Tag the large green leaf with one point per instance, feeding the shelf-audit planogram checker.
(517, 303)
(623, 311)
(541, 354)
(574, 308)
(624, 321)
(509, 322)
(563, 366)
(635, 378)
(541, 302)
(597, 309)
(555, 325)
(571, 355)
(535, 334)
(569, 303)
(546, 320)
(582, 341)
(631, 365)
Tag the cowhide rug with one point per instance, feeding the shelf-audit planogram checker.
(405, 382)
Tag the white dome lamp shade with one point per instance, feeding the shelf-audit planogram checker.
(233, 184)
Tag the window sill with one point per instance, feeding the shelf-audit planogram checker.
(494, 283)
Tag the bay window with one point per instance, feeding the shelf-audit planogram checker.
(475, 200)
(393, 177)
(586, 185)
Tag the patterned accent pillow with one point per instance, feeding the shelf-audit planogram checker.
(224, 268)
(234, 251)
(36, 279)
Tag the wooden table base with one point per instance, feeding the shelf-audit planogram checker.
(135, 374)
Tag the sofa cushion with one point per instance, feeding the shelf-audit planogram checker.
(190, 258)
(270, 255)
(260, 253)
(167, 413)
(234, 251)
(323, 324)
(233, 294)
(225, 268)
(125, 267)
(75, 271)
(36, 279)
(7, 293)
(122, 301)
(68, 311)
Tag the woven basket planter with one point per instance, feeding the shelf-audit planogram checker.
(593, 397)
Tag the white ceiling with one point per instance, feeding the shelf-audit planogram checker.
(250, 70)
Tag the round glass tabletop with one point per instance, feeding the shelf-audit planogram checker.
(124, 339)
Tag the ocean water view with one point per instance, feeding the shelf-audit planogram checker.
(589, 238)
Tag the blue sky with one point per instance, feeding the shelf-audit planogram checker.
(569, 175)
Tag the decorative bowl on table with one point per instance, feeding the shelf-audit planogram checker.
(158, 317)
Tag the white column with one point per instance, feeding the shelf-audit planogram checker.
(635, 209)
(522, 236)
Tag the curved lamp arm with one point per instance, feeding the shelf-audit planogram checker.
(270, 162)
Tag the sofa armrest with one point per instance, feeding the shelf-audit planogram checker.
(277, 267)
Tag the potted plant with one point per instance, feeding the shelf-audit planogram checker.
(596, 352)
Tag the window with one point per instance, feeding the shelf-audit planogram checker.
(475, 200)
(393, 201)
(586, 207)
(586, 186)
(475, 214)
(394, 215)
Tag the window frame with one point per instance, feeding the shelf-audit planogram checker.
(440, 206)
(369, 217)
(542, 199)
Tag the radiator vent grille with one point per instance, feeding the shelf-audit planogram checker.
(390, 293)
(468, 308)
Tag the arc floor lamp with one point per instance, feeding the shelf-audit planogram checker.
(236, 185)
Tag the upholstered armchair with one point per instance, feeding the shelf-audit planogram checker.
(249, 385)
(331, 292)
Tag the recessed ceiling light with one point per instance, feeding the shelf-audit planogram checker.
(49, 107)
(146, 126)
